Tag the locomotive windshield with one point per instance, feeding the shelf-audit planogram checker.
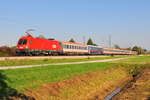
(22, 41)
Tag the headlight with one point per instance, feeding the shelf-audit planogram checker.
(26, 47)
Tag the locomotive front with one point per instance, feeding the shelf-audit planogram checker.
(22, 46)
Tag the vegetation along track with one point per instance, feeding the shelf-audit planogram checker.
(88, 81)
(46, 57)
(48, 60)
(97, 85)
(67, 63)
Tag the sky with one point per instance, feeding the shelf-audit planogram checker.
(126, 21)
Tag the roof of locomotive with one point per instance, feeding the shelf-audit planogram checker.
(31, 37)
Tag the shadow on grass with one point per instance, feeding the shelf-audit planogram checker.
(8, 93)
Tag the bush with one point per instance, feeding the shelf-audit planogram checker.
(7, 51)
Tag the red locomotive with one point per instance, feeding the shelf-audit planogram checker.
(29, 45)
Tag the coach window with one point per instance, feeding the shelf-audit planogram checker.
(67, 46)
(70, 46)
(76, 47)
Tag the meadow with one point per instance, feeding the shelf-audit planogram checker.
(34, 77)
(137, 60)
(27, 78)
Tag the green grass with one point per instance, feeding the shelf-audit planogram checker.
(136, 60)
(22, 79)
(49, 61)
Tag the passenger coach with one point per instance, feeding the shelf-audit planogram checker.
(74, 48)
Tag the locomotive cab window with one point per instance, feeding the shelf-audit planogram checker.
(22, 41)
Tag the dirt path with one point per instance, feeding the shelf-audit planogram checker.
(28, 66)
(139, 90)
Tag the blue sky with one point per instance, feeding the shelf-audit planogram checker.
(127, 21)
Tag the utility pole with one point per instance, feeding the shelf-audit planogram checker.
(109, 41)
(84, 40)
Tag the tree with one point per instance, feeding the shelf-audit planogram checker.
(116, 46)
(72, 40)
(145, 50)
(129, 48)
(90, 42)
(95, 44)
(138, 49)
(7, 51)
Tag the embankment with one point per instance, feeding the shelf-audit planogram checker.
(90, 86)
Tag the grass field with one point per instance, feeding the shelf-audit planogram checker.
(34, 77)
(136, 60)
(49, 61)
(22, 79)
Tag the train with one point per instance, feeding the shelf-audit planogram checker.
(32, 46)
